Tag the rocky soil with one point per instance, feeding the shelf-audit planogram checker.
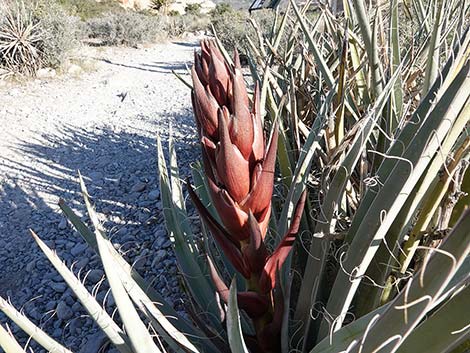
(103, 123)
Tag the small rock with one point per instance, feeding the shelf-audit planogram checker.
(94, 343)
(58, 287)
(63, 224)
(31, 266)
(63, 311)
(139, 187)
(46, 73)
(154, 194)
(139, 263)
(78, 249)
(76, 307)
(95, 275)
(50, 305)
(74, 69)
(95, 176)
(82, 263)
(162, 243)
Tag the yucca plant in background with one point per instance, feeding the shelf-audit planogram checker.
(20, 38)
(371, 119)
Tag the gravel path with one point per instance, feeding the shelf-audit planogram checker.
(103, 123)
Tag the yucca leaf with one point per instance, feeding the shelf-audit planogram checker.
(396, 189)
(140, 338)
(339, 106)
(342, 339)
(198, 283)
(323, 66)
(444, 330)
(142, 294)
(8, 342)
(304, 162)
(178, 199)
(394, 47)
(422, 199)
(421, 293)
(405, 137)
(234, 330)
(371, 46)
(432, 64)
(312, 283)
(117, 337)
(464, 201)
(433, 202)
(352, 332)
(38, 335)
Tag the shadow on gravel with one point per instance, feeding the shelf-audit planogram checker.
(161, 67)
(120, 170)
(194, 44)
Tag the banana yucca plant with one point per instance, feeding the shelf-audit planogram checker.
(239, 171)
(20, 38)
(371, 120)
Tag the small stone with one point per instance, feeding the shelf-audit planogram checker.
(46, 73)
(82, 263)
(63, 311)
(76, 307)
(57, 332)
(63, 224)
(139, 264)
(95, 275)
(31, 266)
(95, 176)
(160, 255)
(154, 194)
(69, 300)
(139, 187)
(58, 287)
(50, 305)
(74, 69)
(94, 343)
(78, 249)
(162, 242)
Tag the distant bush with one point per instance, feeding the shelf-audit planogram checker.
(233, 26)
(193, 9)
(126, 28)
(221, 9)
(87, 9)
(61, 33)
(35, 34)
(159, 4)
(177, 25)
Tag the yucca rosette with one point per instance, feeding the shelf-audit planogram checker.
(239, 166)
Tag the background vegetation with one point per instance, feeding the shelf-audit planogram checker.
(43, 33)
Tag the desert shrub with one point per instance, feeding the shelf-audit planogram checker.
(233, 26)
(158, 4)
(177, 25)
(61, 33)
(221, 9)
(35, 34)
(87, 9)
(193, 9)
(126, 28)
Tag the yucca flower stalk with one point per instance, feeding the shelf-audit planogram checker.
(239, 168)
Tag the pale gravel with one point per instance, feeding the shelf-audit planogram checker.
(50, 129)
